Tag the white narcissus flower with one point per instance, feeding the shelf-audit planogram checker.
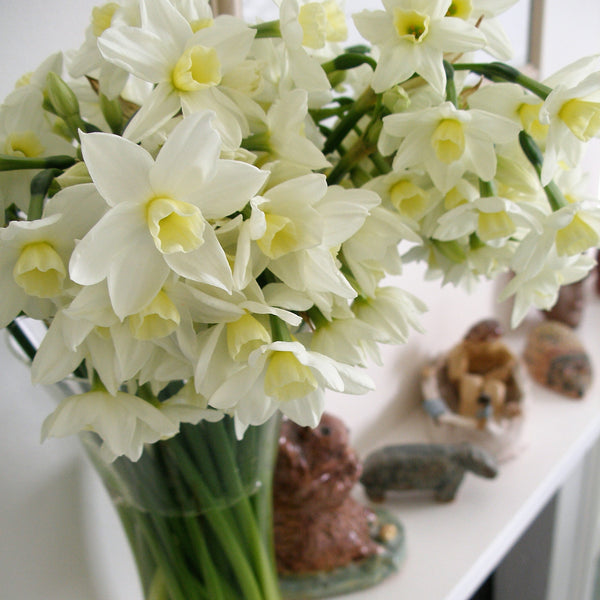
(34, 255)
(540, 288)
(350, 341)
(285, 376)
(447, 142)
(224, 348)
(373, 250)
(123, 421)
(87, 60)
(572, 113)
(412, 37)
(493, 219)
(298, 223)
(284, 218)
(285, 136)
(305, 70)
(186, 67)
(482, 14)
(159, 212)
(391, 312)
(513, 102)
(568, 231)
(411, 193)
(155, 345)
(25, 131)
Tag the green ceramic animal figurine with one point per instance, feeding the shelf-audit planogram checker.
(436, 467)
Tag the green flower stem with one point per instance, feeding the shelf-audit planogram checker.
(362, 105)
(269, 29)
(113, 113)
(498, 70)
(346, 61)
(357, 152)
(153, 527)
(320, 114)
(214, 584)
(486, 189)
(218, 522)
(380, 162)
(262, 500)
(534, 155)
(40, 185)
(17, 163)
(450, 85)
(359, 177)
(279, 329)
(191, 530)
(146, 564)
(220, 438)
(317, 317)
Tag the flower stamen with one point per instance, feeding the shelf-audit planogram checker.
(411, 25)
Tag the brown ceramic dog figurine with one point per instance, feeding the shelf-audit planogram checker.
(317, 526)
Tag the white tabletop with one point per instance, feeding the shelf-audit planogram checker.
(453, 547)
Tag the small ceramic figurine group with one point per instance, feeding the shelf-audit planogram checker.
(474, 396)
(481, 369)
(474, 392)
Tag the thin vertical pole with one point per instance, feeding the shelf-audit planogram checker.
(226, 7)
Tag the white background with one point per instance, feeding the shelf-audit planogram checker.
(58, 536)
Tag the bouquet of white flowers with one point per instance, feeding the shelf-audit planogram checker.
(203, 211)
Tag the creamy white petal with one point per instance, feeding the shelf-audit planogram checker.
(429, 65)
(207, 264)
(234, 388)
(375, 26)
(54, 360)
(305, 189)
(138, 51)
(101, 353)
(483, 158)
(163, 19)
(452, 34)
(344, 212)
(136, 275)
(306, 71)
(307, 411)
(82, 204)
(279, 294)
(119, 168)
(230, 188)
(162, 104)
(231, 38)
(230, 123)
(188, 158)
(92, 257)
(394, 66)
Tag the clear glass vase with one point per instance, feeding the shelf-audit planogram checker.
(197, 510)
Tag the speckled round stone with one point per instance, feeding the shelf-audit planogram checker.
(556, 359)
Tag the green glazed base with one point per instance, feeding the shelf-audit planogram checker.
(357, 575)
